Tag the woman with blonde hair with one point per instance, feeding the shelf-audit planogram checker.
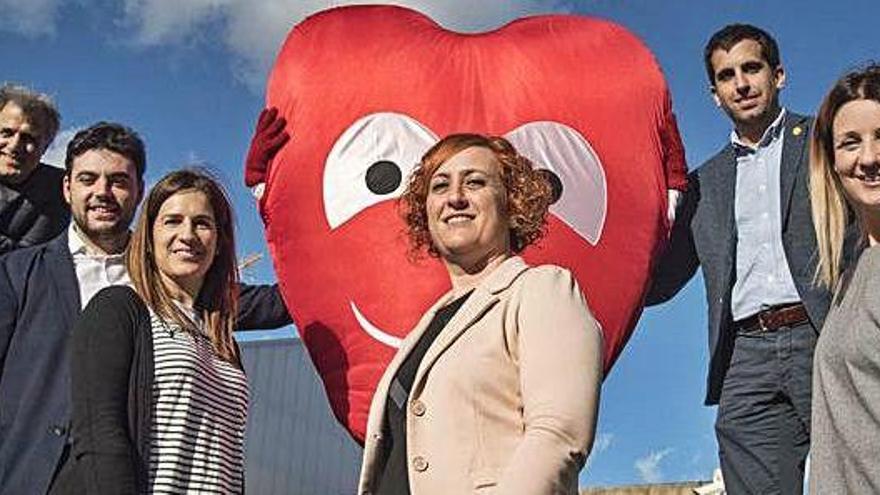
(496, 389)
(845, 190)
(159, 395)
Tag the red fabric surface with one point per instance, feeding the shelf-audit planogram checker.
(343, 64)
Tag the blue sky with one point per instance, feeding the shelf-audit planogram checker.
(189, 75)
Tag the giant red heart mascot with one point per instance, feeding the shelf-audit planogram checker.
(366, 91)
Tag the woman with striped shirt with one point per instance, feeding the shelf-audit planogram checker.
(159, 395)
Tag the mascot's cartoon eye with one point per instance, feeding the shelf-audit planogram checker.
(574, 171)
(383, 177)
(368, 162)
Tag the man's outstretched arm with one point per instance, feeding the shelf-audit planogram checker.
(679, 261)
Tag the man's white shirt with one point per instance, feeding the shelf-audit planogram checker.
(94, 271)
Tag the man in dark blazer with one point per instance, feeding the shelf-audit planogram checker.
(44, 288)
(746, 220)
(32, 210)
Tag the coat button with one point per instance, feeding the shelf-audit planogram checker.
(419, 463)
(417, 407)
(58, 430)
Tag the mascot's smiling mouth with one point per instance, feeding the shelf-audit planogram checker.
(561, 152)
(373, 330)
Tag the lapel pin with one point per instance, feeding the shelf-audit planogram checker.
(797, 131)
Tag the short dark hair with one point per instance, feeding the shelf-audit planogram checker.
(35, 105)
(730, 35)
(112, 137)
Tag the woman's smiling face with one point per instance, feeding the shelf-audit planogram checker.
(185, 239)
(856, 134)
(467, 206)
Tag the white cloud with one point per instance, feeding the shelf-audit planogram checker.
(648, 467)
(169, 21)
(253, 30)
(602, 443)
(29, 17)
(57, 151)
(193, 159)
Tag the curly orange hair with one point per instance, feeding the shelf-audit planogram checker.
(529, 193)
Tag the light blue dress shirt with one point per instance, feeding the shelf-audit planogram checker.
(763, 279)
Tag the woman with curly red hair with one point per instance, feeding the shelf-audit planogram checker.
(497, 387)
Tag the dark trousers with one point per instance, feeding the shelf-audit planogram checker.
(763, 424)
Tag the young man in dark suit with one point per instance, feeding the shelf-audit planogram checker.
(44, 288)
(746, 220)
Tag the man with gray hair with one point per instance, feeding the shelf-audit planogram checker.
(32, 208)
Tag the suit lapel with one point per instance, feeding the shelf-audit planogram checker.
(792, 158)
(381, 393)
(483, 298)
(63, 273)
(477, 304)
(722, 188)
(480, 301)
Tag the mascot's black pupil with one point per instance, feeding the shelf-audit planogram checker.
(555, 183)
(383, 177)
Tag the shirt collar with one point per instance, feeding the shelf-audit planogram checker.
(74, 241)
(773, 131)
(78, 246)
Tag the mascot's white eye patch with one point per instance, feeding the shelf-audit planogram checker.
(579, 189)
(369, 162)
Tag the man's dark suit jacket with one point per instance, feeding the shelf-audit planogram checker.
(39, 303)
(33, 212)
(705, 234)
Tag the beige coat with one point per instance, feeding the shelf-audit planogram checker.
(505, 399)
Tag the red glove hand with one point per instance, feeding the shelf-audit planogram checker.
(269, 137)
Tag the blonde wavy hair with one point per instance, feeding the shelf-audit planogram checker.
(831, 211)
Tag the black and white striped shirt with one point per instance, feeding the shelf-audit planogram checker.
(199, 415)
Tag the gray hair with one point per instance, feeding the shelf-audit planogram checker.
(37, 106)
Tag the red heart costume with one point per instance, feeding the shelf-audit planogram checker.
(366, 91)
